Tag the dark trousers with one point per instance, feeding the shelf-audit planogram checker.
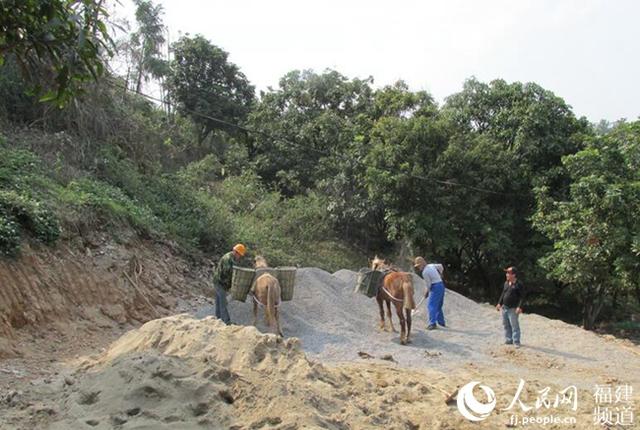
(221, 305)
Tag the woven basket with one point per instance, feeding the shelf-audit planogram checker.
(287, 280)
(241, 281)
(369, 281)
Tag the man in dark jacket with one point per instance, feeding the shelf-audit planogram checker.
(222, 279)
(510, 304)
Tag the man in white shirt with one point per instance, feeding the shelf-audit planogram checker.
(432, 274)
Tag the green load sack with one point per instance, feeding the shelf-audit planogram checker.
(369, 281)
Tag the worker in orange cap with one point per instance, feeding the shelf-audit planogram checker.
(222, 279)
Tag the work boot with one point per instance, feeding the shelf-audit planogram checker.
(432, 327)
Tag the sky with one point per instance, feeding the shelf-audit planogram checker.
(585, 51)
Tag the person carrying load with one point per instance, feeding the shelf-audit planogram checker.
(222, 276)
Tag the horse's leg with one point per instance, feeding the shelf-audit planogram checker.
(277, 314)
(273, 297)
(266, 308)
(255, 311)
(403, 332)
(379, 300)
(408, 318)
(393, 329)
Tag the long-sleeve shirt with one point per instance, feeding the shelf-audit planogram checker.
(512, 295)
(432, 273)
(224, 270)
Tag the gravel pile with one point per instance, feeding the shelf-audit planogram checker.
(335, 324)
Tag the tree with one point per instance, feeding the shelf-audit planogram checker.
(398, 101)
(314, 135)
(59, 41)
(207, 87)
(595, 230)
(459, 184)
(302, 124)
(147, 42)
(400, 160)
(534, 124)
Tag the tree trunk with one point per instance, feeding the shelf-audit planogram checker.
(587, 313)
(126, 81)
(486, 282)
(593, 301)
(139, 80)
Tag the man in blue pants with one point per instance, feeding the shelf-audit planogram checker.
(432, 274)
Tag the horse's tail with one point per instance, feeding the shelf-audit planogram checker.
(273, 292)
(407, 291)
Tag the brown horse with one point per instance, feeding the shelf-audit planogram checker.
(381, 296)
(397, 287)
(266, 292)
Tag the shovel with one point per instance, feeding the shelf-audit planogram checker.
(417, 309)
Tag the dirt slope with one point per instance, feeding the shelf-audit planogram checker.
(70, 288)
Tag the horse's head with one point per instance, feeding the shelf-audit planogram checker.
(260, 262)
(378, 263)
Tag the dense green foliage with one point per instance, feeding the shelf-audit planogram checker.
(596, 228)
(21, 206)
(55, 41)
(187, 207)
(208, 88)
(325, 170)
(459, 184)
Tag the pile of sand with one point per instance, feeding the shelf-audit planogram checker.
(180, 372)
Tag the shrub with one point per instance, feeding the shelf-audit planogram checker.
(9, 236)
(287, 231)
(194, 218)
(110, 204)
(202, 172)
(20, 210)
(17, 168)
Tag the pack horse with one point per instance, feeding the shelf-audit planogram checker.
(396, 288)
(266, 293)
